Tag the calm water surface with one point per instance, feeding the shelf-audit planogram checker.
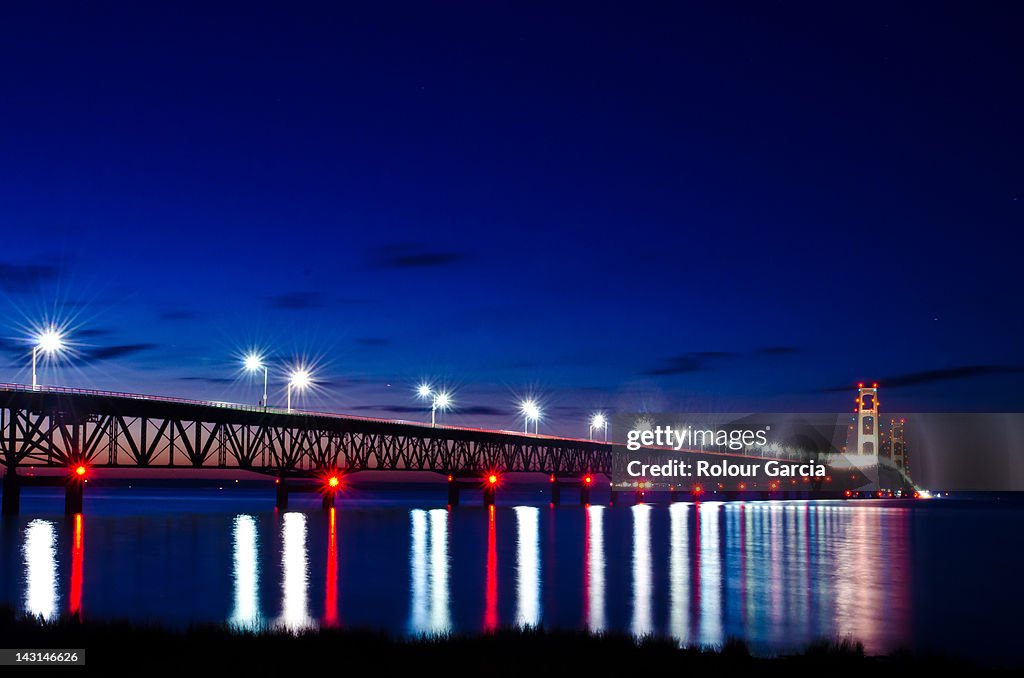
(938, 575)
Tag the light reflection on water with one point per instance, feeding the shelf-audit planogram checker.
(527, 565)
(246, 572)
(295, 573)
(594, 570)
(429, 567)
(40, 554)
(779, 574)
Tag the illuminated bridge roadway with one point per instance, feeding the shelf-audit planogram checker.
(76, 430)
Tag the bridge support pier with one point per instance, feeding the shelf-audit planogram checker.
(673, 496)
(453, 492)
(11, 493)
(584, 494)
(74, 492)
(556, 493)
(282, 493)
(615, 498)
(327, 503)
(489, 493)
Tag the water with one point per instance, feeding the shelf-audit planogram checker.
(926, 575)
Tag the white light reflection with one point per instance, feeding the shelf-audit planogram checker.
(595, 569)
(246, 573)
(527, 565)
(710, 574)
(642, 589)
(40, 554)
(295, 576)
(429, 565)
(679, 573)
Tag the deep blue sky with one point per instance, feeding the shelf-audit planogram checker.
(706, 206)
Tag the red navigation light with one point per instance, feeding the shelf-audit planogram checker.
(492, 479)
(860, 385)
(774, 485)
(333, 481)
(588, 480)
(743, 486)
(848, 493)
(551, 478)
(697, 489)
(450, 477)
(874, 385)
(80, 470)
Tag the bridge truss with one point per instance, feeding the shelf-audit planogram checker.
(64, 427)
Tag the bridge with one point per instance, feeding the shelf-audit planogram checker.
(76, 430)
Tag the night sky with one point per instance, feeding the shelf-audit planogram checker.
(714, 207)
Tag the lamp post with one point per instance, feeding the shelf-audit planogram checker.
(50, 341)
(298, 380)
(531, 412)
(599, 422)
(441, 400)
(254, 363)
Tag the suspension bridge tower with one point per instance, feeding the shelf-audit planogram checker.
(867, 419)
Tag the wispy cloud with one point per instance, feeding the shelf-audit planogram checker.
(778, 350)
(695, 361)
(414, 255)
(177, 314)
(939, 376)
(21, 278)
(296, 301)
(113, 352)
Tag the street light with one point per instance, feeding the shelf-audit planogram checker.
(441, 400)
(531, 412)
(254, 363)
(599, 422)
(298, 380)
(50, 341)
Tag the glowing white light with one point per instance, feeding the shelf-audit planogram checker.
(246, 573)
(300, 378)
(50, 340)
(595, 569)
(527, 565)
(711, 574)
(428, 560)
(418, 570)
(40, 555)
(295, 573)
(440, 613)
(443, 401)
(253, 362)
(642, 580)
(679, 573)
(530, 409)
(598, 421)
(424, 391)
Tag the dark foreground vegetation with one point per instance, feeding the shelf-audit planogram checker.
(506, 652)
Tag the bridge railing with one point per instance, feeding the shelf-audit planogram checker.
(67, 390)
